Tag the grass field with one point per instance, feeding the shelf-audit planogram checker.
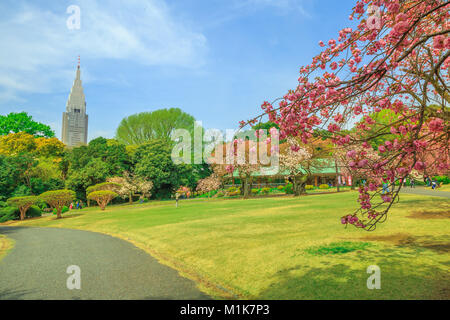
(285, 247)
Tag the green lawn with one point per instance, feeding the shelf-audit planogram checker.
(285, 247)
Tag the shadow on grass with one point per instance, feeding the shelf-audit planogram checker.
(442, 214)
(406, 272)
(343, 282)
(418, 243)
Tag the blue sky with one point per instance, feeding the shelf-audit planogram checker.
(215, 59)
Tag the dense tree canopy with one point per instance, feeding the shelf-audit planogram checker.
(142, 127)
(94, 163)
(22, 122)
(22, 142)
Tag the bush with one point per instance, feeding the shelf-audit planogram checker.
(3, 204)
(8, 213)
(34, 211)
(442, 179)
(41, 204)
(280, 188)
(324, 186)
(220, 194)
(265, 190)
(255, 191)
(233, 191)
(289, 189)
(63, 210)
(309, 187)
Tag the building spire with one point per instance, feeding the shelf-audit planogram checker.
(75, 119)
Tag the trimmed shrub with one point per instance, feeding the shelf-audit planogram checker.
(102, 197)
(111, 186)
(324, 186)
(23, 203)
(309, 187)
(281, 188)
(255, 191)
(58, 199)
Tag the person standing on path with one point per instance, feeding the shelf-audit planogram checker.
(177, 196)
(411, 183)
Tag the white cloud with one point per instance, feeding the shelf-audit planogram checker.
(283, 5)
(39, 51)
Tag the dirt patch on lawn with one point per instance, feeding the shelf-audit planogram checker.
(398, 239)
(437, 244)
(443, 214)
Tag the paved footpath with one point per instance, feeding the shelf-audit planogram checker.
(111, 268)
(426, 192)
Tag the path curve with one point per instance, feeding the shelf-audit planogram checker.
(426, 192)
(111, 268)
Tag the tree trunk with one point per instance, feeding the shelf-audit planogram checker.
(131, 198)
(299, 185)
(247, 187)
(22, 213)
(337, 175)
(58, 212)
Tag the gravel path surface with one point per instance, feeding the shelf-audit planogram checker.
(110, 268)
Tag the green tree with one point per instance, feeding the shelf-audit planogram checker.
(92, 164)
(22, 122)
(23, 203)
(103, 197)
(153, 161)
(57, 199)
(10, 174)
(142, 127)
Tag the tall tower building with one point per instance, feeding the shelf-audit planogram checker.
(75, 119)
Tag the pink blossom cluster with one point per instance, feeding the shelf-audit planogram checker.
(402, 68)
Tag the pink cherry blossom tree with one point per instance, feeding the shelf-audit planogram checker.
(296, 160)
(396, 58)
(211, 183)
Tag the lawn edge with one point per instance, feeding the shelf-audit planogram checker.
(6, 244)
(211, 288)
